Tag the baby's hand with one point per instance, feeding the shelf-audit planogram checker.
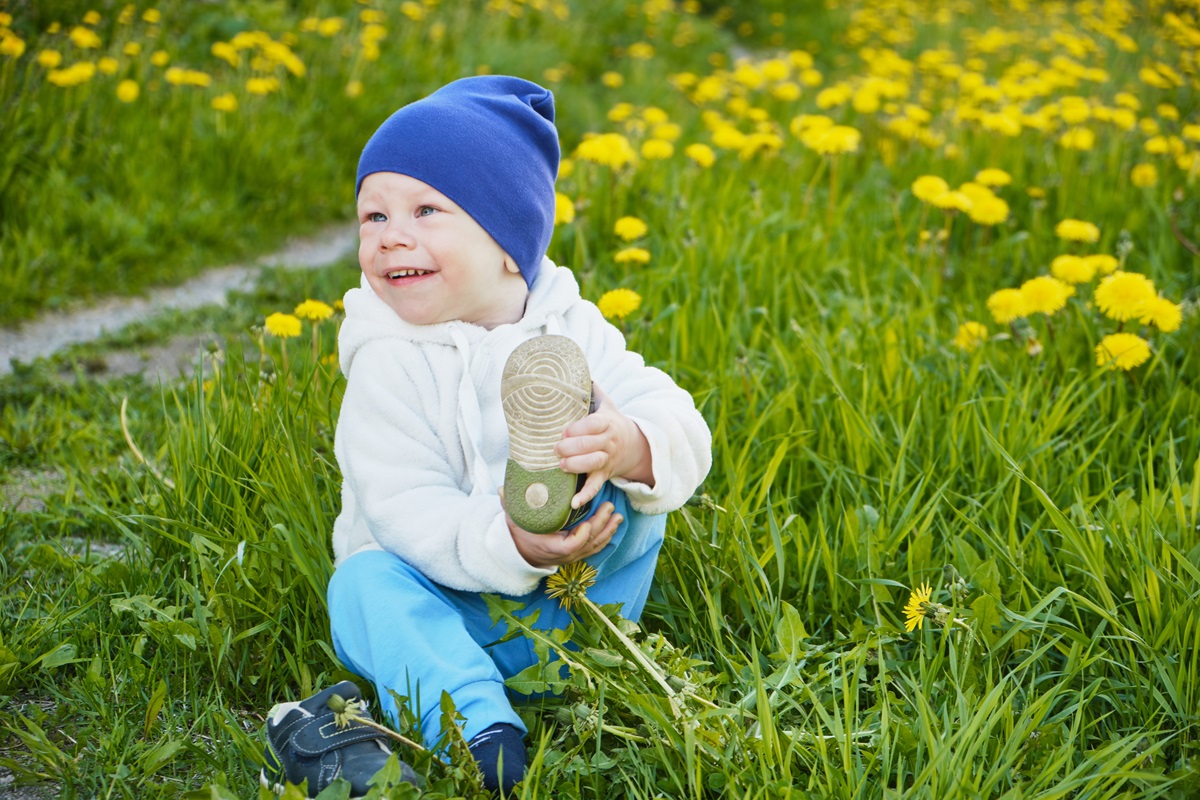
(604, 444)
(555, 549)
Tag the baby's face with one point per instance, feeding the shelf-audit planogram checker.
(430, 260)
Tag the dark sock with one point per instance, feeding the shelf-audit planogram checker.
(487, 747)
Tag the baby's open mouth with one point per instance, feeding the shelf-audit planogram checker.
(396, 274)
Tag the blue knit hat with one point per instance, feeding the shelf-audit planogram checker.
(490, 145)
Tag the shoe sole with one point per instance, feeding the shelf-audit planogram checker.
(545, 387)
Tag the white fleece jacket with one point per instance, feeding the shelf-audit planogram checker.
(422, 440)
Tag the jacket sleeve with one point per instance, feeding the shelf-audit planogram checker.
(408, 487)
(680, 442)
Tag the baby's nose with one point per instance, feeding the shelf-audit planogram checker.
(397, 234)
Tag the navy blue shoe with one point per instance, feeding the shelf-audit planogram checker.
(304, 742)
(500, 753)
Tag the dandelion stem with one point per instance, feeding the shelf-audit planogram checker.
(636, 652)
(811, 184)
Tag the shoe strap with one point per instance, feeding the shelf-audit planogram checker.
(321, 735)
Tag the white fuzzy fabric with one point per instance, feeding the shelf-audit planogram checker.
(422, 450)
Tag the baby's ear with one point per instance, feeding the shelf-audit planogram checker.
(511, 265)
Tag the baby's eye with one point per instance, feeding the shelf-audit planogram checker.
(376, 216)
(425, 211)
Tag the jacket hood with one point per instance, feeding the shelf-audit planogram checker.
(369, 318)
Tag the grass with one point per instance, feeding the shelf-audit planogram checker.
(1053, 505)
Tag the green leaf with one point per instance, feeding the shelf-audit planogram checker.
(212, 791)
(605, 658)
(339, 789)
(987, 577)
(538, 679)
(499, 607)
(789, 632)
(154, 706)
(155, 759)
(63, 654)
(987, 615)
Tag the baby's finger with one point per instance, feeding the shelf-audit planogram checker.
(592, 462)
(591, 487)
(584, 426)
(578, 445)
(600, 540)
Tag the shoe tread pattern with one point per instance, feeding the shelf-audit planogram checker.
(545, 387)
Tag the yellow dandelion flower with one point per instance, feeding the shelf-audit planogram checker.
(225, 102)
(108, 65)
(657, 149)
(806, 122)
(833, 140)
(641, 51)
(620, 112)
(78, 73)
(988, 210)
(702, 154)
(927, 187)
(93, 18)
(787, 91)
(570, 583)
(993, 177)
(653, 115)
(262, 86)
(728, 137)
(1162, 314)
(667, 131)
(1074, 230)
(609, 149)
(160, 58)
(1006, 305)
(1102, 262)
(564, 209)
(1123, 295)
(152, 16)
(283, 325)
(354, 88)
(227, 53)
(132, 49)
(1143, 175)
(49, 58)
(969, 336)
(619, 303)
(128, 91)
(11, 45)
(1072, 269)
(84, 38)
(1078, 139)
(331, 26)
(1122, 351)
(1045, 294)
(632, 255)
(756, 143)
(914, 611)
(952, 200)
(1158, 145)
(630, 228)
(314, 310)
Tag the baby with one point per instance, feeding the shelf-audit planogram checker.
(494, 428)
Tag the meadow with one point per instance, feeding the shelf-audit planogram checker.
(929, 270)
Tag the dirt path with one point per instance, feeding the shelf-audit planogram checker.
(52, 332)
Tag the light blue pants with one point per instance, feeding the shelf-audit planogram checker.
(403, 632)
